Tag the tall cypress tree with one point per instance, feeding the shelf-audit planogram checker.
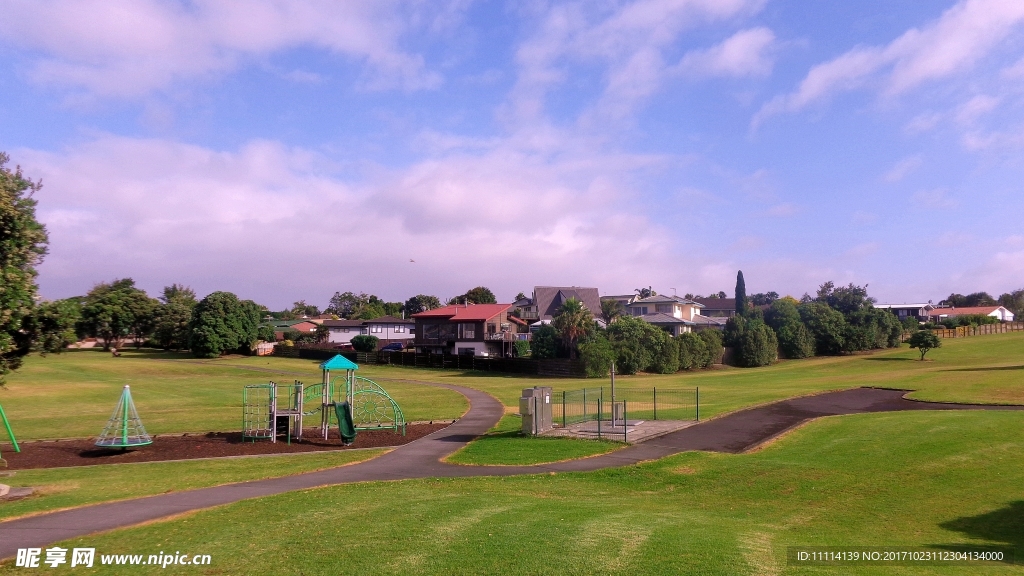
(741, 294)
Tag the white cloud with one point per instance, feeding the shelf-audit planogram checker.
(274, 223)
(937, 199)
(976, 107)
(746, 53)
(129, 49)
(901, 169)
(949, 45)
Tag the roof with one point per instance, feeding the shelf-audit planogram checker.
(550, 298)
(343, 323)
(662, 318)
(717, 303)
(339, 362)
(965, 311)
(908, 306)
(660, 298)
(464, 312)
(523, 302)
(390, 320)
(702, 320)
(284, 323)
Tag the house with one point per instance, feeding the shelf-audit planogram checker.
(673, 313)
(623, 300)
(917, 311)
(717, 307)
(385, 328)
(282, 326)
(547, 300)
(477, 329)
(999, 312)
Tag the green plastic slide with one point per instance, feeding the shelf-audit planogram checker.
(345, 425)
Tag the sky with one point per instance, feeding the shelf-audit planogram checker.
(287, 150)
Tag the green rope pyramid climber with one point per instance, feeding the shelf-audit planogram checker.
(124, 429)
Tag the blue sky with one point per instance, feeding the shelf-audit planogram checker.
(286, 150)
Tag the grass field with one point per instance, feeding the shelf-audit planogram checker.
(69, 487)
(72, 394)
(505, 445)
(934, 479)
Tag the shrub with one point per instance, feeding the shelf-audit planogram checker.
(713, 348)
(758, 346)
(827, 325)
(521, 348)
(597, 355)
(634, 342)
(664, 354)
(545, 342)
(693, 351)
(795, 341)
(924, 340)
(365, 343)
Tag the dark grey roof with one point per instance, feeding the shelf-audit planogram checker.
(661, 298)
(709, 320)
(662, 318)
(343, 323)
(717, 303)
(390, 320)
(550, 298)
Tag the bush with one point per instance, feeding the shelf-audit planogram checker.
(222, 323)
(924, 340)
(693, 351)
(521, 349)
(827, 325)
(597, 355)
(545, 343)
(795, 341)
(664, 354)
(635, 343)
(365, 343)
(758, 346)
(714, 349)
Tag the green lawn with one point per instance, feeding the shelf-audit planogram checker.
(72, 394)
(504, 444)
(935, 479)
(76, 486)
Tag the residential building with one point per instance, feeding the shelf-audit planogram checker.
(717, 307)
(673, 313)
(546, 301)
(282, 326)
(385, 328)
(478, 329)
(916, 311)
(999, 312)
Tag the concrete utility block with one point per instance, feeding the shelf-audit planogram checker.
(4, 489)
(535, 407)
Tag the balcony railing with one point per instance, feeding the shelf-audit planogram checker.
(507, 336)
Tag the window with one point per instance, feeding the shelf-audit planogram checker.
(345, 330)
(638, 310)
(362, 330)
(376, 328)
(468, 331)
(399, 329)
(491, 328)
(430, 331)
(666, 308)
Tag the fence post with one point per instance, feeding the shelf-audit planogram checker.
(563, 408)
(599, 418)
(625, 422)
(584, 404)
(696, 392)
(655, 402)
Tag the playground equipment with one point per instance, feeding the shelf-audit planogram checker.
(124, 429)
(270, 410)
(10, 434)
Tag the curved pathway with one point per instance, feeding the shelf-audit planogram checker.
(734, 433)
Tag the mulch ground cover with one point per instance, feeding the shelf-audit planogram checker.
(54, 454)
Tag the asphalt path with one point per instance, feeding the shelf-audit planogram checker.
(733, 433)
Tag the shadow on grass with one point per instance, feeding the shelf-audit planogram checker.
(890, 359)
(1002, 528)
(986, 369)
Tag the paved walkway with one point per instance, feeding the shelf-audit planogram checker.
(734, 433)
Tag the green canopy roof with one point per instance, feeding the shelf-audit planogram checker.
(339, 362)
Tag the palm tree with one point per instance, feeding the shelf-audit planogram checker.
(645, 292)
(611, 309)
(572, 321)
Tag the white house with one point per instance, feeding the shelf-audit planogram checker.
(384, 328)
(998, 312)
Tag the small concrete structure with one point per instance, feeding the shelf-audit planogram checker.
(535, 407)
(634, 432)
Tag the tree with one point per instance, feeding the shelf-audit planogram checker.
(300, 309)
(51, 325)
(365, 343)
(795, 339)
(973, 299)
(108, 312)
(635, 342)
(144, 316)
(845, 299)
(572, 321)
(611, 309)
(713, 343)
(421, 303)
(480, 295)
(322, 334)
(741, 294)
(924, 340)
(221, 323)
(827, 325)
(22, 247)
(344, 305)
(265, 332)
(545, 342)
(664, 354)
(1013, 301)
(520, 296)
(764, 298)
(597, 355)
(173, 317)
(645, 292)
(758, 345)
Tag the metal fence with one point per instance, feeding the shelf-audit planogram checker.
(595, 404)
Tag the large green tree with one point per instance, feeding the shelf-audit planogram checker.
(573, 321)
(480, 295)
(174, 316)
(221, 323)
(741, 293)
(611, 309)
(52, 325)
(636, 343)
(116, 311)
(421, 303)
(22, 247)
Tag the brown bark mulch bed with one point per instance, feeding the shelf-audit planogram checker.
(61, 453)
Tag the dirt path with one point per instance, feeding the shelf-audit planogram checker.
(736, 432)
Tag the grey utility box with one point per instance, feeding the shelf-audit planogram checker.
(535, 407)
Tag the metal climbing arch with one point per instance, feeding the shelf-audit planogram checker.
(372, 407)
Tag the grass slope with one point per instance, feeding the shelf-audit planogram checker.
(77, 486)
(934, 479)
(504, 444)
